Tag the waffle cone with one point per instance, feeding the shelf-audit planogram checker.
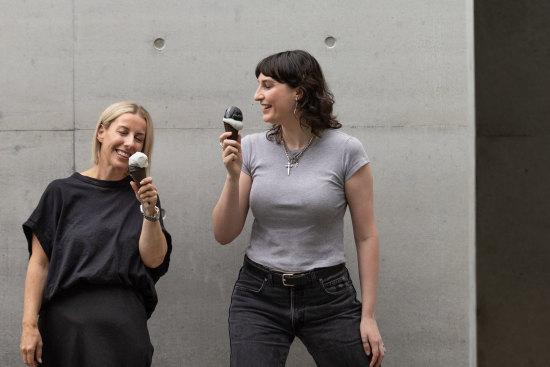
(138, 174)
(229, 128)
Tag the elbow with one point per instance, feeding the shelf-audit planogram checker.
(222, 240)
(224, 236)
(154, 263)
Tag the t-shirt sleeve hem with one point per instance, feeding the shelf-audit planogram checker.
(356, 168)
(30, 228)
(355, 156)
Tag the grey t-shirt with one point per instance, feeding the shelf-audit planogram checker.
(298, 218)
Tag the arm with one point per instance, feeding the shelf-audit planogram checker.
(359, 194)
(152, 242)
(37, 272)
(229, 214)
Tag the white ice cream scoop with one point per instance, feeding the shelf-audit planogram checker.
(138, 160)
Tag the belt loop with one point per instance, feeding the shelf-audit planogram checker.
(270, 278)
(313, 275)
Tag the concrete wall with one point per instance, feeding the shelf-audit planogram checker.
(402, 75)
(513, 160)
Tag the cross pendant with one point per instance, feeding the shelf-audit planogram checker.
(289, 166)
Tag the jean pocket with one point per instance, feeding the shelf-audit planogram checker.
(338, 285)
(249, 282)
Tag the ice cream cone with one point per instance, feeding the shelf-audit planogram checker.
(230, 128)
(137, 174)
(137, 165)
(233, 121)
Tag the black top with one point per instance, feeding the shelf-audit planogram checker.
(89, 230)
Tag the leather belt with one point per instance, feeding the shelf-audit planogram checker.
(289, 279)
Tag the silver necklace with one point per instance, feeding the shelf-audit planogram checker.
(292, 162)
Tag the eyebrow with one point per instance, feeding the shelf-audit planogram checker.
(127, 128)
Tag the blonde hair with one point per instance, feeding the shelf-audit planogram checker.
(111, 114)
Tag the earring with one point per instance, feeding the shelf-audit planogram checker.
(295, 106)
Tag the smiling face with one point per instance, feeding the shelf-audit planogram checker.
(277, 99)
(124, 136)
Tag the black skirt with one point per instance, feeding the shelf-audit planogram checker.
(95, 327)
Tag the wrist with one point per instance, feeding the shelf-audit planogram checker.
(151, 217)
(30, 323)
(233, 178)
(368, 315)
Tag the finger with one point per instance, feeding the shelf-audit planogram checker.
(147, 190)
(39, 352)
(146, 181)
(231, 142)
(224, 139)
(366, 346)
(28, 356)
(22, 351)
(381, 355)
(224, 136)
(374, 359)
(148, 202)
(230, 150)
(148, 194)
(375, 355)
(230, 158)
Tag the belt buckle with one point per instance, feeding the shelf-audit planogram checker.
(286, 276)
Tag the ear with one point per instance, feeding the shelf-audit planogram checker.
(100, 133)
(299, 94)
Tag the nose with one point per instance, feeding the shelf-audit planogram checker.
(257, 95)
(129, 140)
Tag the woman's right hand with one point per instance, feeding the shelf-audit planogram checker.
(31, 345)
(231, 154)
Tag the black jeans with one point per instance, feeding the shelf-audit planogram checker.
(265, 316)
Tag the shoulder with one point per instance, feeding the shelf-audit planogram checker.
(256, 142)
(60, 184)
(340, 138)
(255, 138)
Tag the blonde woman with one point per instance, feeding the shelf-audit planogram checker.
(95, 256)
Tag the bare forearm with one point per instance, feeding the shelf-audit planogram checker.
(227, 218)
(152, 244)
(368, 260)
(34, 289)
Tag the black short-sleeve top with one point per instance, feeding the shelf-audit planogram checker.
(89, 230)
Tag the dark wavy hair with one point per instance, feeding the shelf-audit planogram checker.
(298, 69)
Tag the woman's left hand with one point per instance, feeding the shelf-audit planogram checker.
(146, 195)
(372, 341)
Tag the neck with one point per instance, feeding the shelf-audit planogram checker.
(104, 174)
(296, 137)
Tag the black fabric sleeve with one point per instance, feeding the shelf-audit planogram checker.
(43, 220)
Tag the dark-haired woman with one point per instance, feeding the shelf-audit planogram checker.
(298, 179)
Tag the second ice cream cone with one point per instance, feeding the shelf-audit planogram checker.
(230, 128)
(233, 121)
